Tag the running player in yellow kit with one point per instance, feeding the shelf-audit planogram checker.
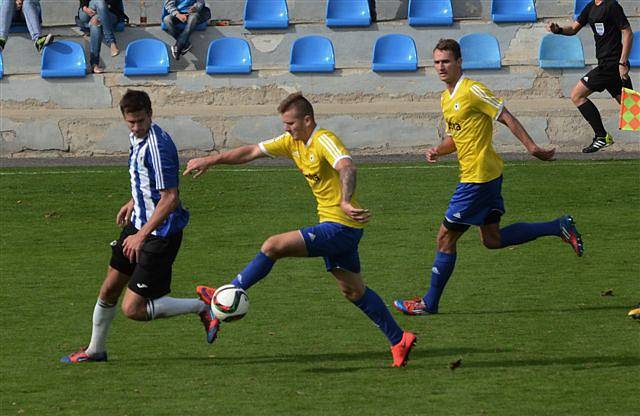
(331, 174)
(469, 109)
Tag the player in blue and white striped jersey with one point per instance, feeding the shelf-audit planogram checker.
(153, 220)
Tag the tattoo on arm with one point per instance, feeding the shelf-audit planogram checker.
(348, 179)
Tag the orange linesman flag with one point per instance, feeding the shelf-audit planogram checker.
(629, 110)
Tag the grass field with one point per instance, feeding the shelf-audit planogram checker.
(534, 333)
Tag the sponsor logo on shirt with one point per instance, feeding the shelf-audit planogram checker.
(599, 28)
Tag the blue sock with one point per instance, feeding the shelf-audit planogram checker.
(254, 272)
(371, 304)
(441, 271)
(521, 232)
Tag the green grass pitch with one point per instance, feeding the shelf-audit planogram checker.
(534, 333)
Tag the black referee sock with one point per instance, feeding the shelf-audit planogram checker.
(590, 112)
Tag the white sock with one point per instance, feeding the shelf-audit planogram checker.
(103, 314)
(166, 307)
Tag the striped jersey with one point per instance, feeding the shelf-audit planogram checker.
(153, 166)
(469, 112)
(317, 159)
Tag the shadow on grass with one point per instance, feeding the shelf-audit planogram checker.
(587, 362)
(552, 310)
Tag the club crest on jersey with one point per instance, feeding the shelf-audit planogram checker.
(456, 106)
(311, 157)
(599, 28)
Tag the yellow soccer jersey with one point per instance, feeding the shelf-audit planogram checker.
(469, 113)
(316, 160)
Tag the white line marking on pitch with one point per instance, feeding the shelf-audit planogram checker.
(390, 167)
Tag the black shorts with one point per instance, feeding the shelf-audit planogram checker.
(151, 273)
(606, 77)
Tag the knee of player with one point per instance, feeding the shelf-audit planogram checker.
(492, 243)
(272, 248)
(352, 293)
(132, 311)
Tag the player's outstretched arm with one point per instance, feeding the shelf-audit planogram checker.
(238, 156)
(521, 134)
(564, 30)
(347, 170)
(445, 147)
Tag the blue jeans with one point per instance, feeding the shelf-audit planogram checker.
(107, 22)
(31, 13)
(194, 19)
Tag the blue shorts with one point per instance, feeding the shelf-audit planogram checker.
(475, 204)
(336, 243)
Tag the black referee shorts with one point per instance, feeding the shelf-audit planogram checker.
(606, 77)
(151, 273)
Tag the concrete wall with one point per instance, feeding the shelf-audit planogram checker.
(62, 12)
(372, 112)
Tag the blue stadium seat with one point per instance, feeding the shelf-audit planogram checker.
(348, 13)
(557, 51)
(229, 56)
(395, 53)
(1, 66)
(266, 14)
(513, 11)
(430, 13)
(146, 57)
(63, 59)
(480, 51)
(578, 6)
(201, 26)
(312, 54)
(634, 56)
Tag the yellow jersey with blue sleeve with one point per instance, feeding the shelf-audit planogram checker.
(469, 112)
(317, 159)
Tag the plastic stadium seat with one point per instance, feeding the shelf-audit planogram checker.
(146, 57)
(229, 56)
(430, 13)
(348, 13)
(312, 54)
(513, 11)
(480, 51)
(634, 56)
(266, 14)
(201, 26)
(1, 66)
(557, 51)
(63, 59)
(578, 6)
(395, 53)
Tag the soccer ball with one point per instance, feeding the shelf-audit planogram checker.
(229, 303)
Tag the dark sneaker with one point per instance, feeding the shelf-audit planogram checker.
(599, 143)
(570, 234)
(401, 350)
(186, 49)
(43, 41)
(82, 357)
(3, 42)
(175, 53)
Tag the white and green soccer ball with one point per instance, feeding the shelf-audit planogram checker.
(229, 303)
